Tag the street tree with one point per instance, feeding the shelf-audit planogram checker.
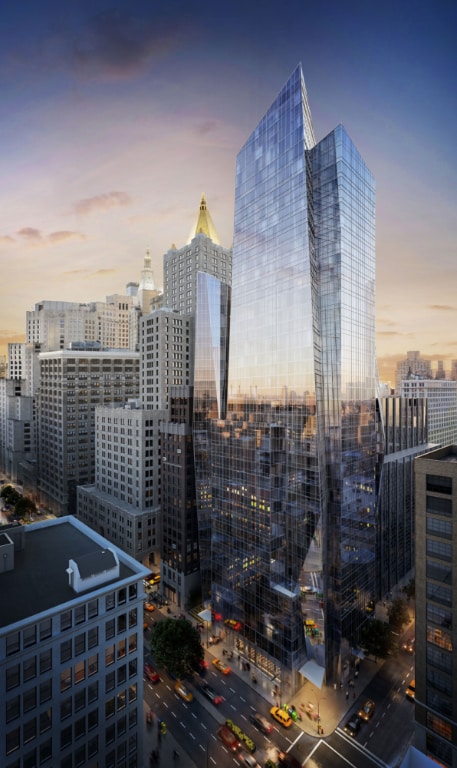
(24, 506)
(377, 638)
(176, 646)
(398, 614)
(10, 495)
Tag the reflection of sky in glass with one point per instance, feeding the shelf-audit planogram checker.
(271, 333)
(292, 465)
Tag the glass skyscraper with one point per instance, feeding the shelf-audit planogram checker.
(291, 455)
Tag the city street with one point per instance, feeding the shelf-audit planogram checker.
(194, 725)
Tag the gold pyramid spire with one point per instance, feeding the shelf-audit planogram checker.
(204, 224)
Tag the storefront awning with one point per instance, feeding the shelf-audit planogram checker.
(313, 672)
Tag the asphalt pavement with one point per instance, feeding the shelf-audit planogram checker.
(322, 710)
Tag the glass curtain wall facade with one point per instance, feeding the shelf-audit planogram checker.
(210, 401)
(293, 480)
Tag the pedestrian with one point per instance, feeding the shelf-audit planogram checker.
(347, 694)
(334, 686)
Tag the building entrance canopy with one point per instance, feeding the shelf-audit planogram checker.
(313, 672)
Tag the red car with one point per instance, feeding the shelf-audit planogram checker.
(229, 739)
(151, 673)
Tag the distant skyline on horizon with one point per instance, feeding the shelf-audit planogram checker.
(117, 119)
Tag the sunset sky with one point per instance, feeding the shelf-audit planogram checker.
(115, 117)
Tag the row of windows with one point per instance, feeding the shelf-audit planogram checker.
(29, 636)
(73, 733)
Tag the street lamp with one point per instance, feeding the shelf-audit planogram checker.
(319, 699)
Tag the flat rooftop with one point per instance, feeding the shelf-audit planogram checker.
(39, 579)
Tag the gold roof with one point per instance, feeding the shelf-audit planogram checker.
(204, 224)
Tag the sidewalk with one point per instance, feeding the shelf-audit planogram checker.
(327, 706)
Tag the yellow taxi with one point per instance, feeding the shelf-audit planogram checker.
(222, 666)
(411, 690)
(281, 716)
(182, 691)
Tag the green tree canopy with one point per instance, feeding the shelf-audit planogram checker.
(377, 638)
(24, 506)
(398, 614)
(176, 646)
(10, 494)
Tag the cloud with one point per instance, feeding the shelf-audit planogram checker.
(442, 307)
(103, 272)
(31, 234)
(63, 235)
(103, 202)
(392, 333)
(117, 45)
(71, 272)
(207, 127)
(34, 236)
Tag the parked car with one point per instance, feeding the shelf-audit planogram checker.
(281, 716)
(352, 726)
(367, 711)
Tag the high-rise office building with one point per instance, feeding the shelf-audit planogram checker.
(202, 253)
(71, 649)
(167, 380)
(405, 429)
(412, 364)
(441, 397)
(56, 324)
(72, 384)
(436, 605)
(123, 504)
(293, 483)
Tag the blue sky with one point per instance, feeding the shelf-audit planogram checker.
(115, 117)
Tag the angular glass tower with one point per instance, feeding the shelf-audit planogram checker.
(293, 457)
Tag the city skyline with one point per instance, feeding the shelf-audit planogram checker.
(116, 121)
